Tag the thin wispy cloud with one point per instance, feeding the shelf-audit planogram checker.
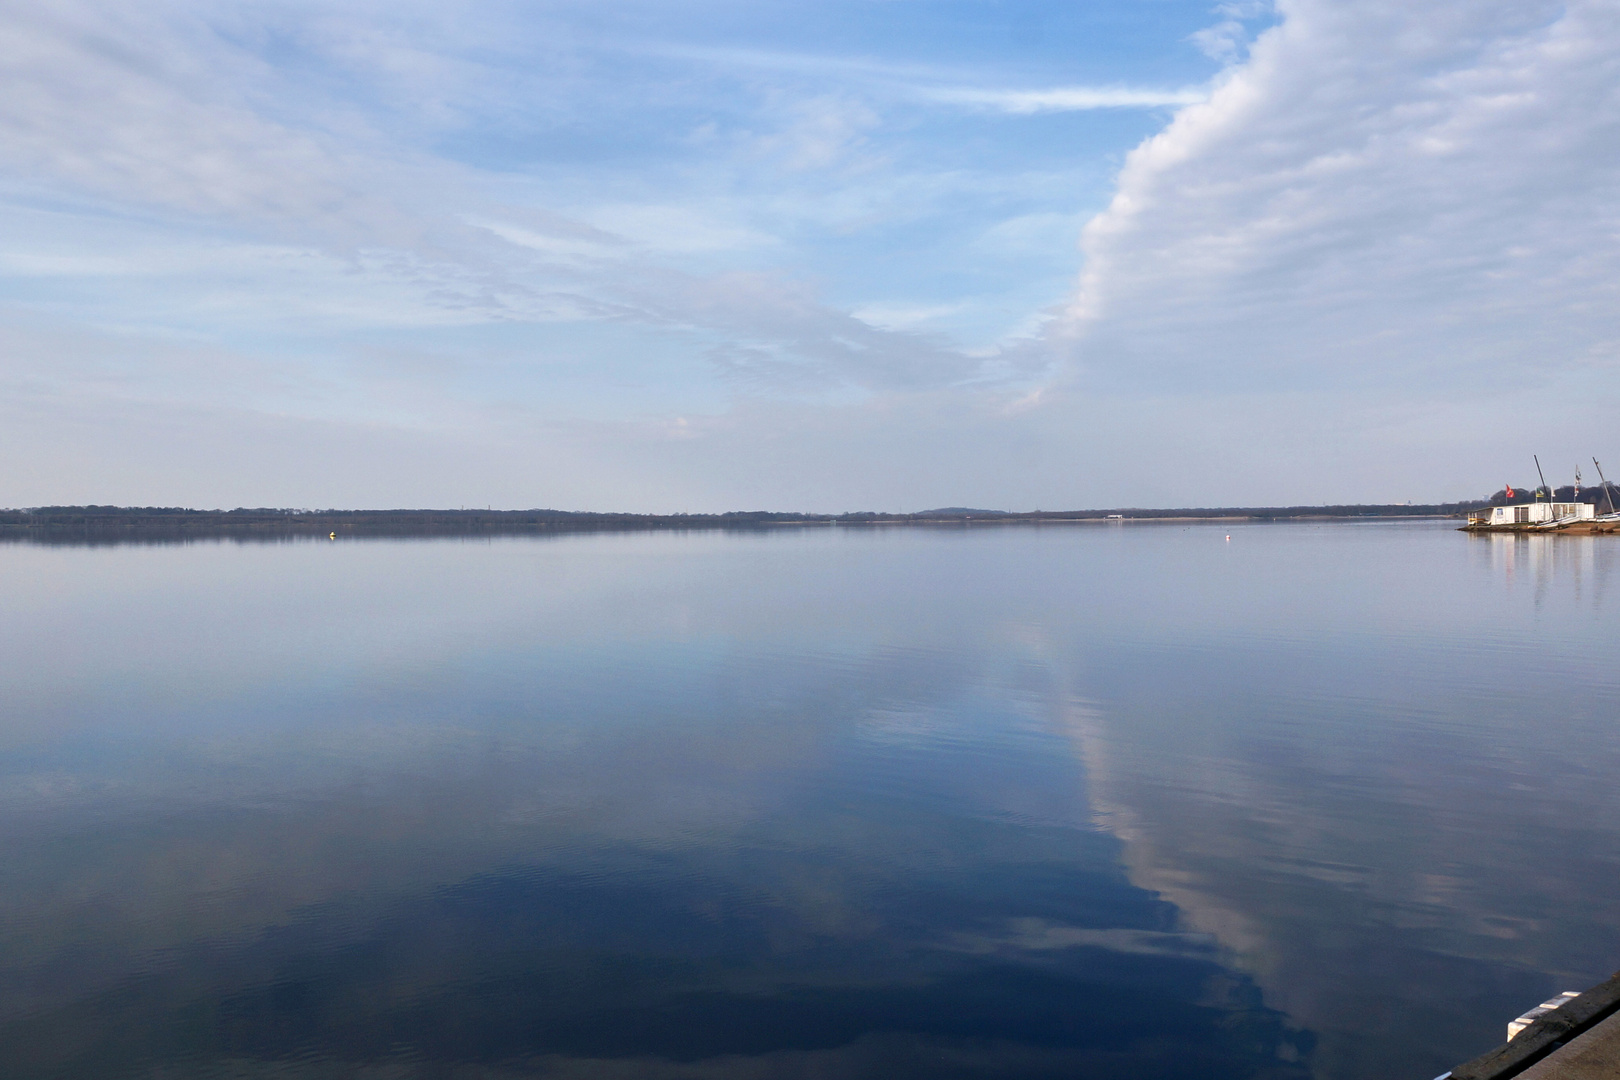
(939, 84)
(798, 63)
(1063, 98)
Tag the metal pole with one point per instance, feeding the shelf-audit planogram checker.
(1543, 476)
(1606, 493)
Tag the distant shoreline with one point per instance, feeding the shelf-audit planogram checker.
(109, 524)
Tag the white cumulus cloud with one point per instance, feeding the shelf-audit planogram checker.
(1385, 197)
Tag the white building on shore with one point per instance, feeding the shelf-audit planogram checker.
(1529, 514)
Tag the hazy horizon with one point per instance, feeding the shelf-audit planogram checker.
(731, 510)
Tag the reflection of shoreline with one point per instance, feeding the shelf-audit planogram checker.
(97, 526)
(306, 535)
(75, 530)
(1543, 560)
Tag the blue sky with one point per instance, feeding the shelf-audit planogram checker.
(883, 254)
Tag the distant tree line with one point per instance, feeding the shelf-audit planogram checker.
(170, 524)
(1597, 495)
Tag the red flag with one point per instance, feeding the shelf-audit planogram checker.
(1509, 490)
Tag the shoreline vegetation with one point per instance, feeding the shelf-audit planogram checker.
(124, 524)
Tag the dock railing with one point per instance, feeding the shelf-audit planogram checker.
(1545, 1035)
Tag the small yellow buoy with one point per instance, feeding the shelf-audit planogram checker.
(333, 536)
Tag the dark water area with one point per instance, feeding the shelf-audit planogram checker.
(1320, 800)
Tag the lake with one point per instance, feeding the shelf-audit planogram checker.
(1330, 800)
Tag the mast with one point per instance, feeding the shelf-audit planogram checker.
(1543, 476)
(1607, 494)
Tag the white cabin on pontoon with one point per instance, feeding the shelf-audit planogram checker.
(1536, 513)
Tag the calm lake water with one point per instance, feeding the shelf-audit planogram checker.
(1320, 800)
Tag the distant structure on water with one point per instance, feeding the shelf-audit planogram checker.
(1532, 515)
(1563, 510)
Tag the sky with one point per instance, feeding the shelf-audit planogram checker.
(843, 255)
